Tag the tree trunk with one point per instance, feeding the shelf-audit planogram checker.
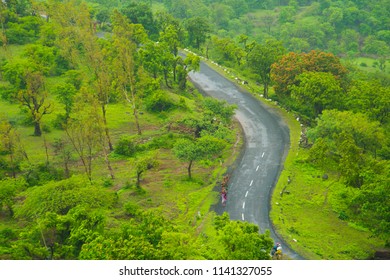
(37, 129)
(11, 211)
(108, 161)
(136, 120)
(106, 128)
(66, 168)
(265, 92)
(189, 169)
(138, 178)
(11, 156)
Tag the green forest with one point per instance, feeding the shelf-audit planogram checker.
(108, 151)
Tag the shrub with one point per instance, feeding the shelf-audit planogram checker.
(158, 102)
(125, 147)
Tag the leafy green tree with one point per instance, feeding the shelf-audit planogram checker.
(144, 164)
(198, 29)
(241, 240)
(10, 147)
(84, 130)
(60, 197)
(65, 93)
(34, 99)
(184, 66)
(371, 203)
(347, 141)
(369, 97)
(117, 248)
(141, 13)
(62, 149)
(227, 51)
(317, 91)
(203, 148)
(261, 58)
(126, 39)
(9, 188)
(57, 236)
(221, 15)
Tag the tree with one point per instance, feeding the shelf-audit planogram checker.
(9, 188)
(127, 38)
(84, 130)
(371, 98)
(62, 150)
(65, 94)
(9, 147)
(143, 164)
(184, 66)
(3, 15)
(348, 142)
(141, 13)
(203, 148)
(371, 203)
(62, 196)
(198, 29)
(317, 91)
(260, 59)
(291, 65)
(34, 98)
(241, 240)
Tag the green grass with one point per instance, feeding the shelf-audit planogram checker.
(369, 64)
(308, 214)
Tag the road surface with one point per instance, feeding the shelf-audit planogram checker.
(266, 145)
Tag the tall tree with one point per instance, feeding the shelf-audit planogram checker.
(84, 130)
(34, 98)
(284, 71)
(80, 45)
(316, 91)
(127, 38)
(9, 146)
(260, 59)
(198, 29)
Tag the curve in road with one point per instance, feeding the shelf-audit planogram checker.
(266, 145)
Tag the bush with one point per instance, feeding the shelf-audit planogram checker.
(165, 141)
(158, 102)
(131, 208)
(125, 147)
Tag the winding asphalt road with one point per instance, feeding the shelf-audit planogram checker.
(266, 145)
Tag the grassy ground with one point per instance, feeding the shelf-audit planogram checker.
(369, 64)
(166, 189)
(305, 217)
